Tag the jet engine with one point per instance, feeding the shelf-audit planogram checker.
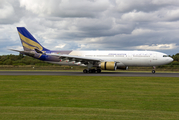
(123, 68)
(108, 65)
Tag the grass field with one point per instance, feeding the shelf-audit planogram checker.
(75, 97)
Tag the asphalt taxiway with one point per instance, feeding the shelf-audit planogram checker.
(127, 74)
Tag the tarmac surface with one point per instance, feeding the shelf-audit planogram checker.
(59, 73)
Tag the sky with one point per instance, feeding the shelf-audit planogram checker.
(151, 25)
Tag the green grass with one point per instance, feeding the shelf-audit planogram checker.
(76, 97)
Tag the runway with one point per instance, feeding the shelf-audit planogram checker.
(59, 73)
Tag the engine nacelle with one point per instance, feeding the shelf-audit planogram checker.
(108, 65)
(123, 68)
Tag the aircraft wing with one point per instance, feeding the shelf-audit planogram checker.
(83, 60)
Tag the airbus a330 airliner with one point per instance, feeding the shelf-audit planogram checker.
(95, 61)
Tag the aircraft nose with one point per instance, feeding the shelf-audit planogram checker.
(170, 59)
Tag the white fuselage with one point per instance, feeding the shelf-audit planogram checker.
(125, 58)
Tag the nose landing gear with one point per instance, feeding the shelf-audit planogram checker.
(153, 71)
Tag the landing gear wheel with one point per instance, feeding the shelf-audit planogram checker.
(85, 71)
(98, 70)
(153, 71)
(92, 70)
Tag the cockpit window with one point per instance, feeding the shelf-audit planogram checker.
(165, 55)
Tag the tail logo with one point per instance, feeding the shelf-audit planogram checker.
(30, 44)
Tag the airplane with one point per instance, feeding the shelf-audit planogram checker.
(94, 61)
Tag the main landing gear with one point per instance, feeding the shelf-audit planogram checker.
(153, 71)
(92, 70)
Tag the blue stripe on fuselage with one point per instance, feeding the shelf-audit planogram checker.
(43, 57)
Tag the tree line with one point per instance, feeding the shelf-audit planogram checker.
(26, 60)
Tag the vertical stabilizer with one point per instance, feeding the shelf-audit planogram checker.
(29, 43)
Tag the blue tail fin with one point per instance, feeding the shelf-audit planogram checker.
(29, 43)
